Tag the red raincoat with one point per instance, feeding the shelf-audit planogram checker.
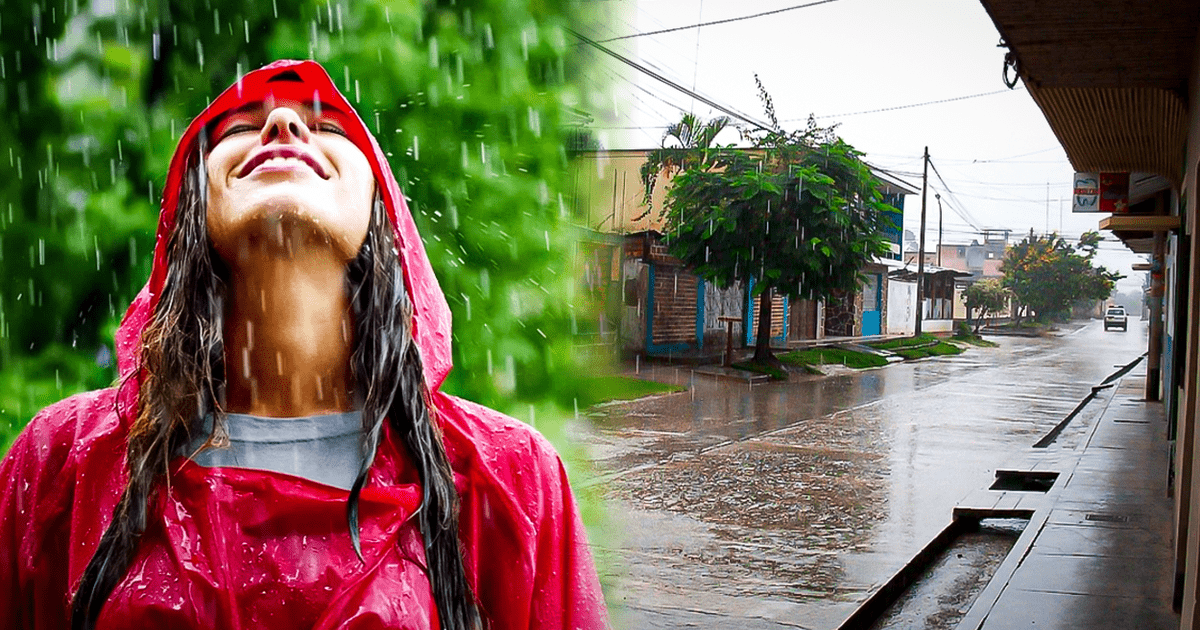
(234, 548)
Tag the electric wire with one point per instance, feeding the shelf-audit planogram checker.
(910, 106)
(960, 208)
(666, 81)
(648, 108)
(715, 22)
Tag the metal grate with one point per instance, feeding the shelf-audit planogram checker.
(1107, 518)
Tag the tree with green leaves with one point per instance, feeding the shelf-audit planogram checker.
(1048, 274)
(796, 213)
(986, 296)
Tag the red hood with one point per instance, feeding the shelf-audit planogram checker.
(303, 81)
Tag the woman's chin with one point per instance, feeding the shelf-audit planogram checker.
(286, 228)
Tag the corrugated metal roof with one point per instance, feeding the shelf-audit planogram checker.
(1100, 43)
(1110, 76)
(1118, 129)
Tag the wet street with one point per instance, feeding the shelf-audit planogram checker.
(785, 505)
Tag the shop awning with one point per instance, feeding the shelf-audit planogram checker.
(1110, 77)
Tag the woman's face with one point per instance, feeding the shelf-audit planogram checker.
(279, 169)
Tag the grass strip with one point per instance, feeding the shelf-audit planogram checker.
(607, 388)
(759, 368)
(833, 356)
(940, 349)
(976, 341)
(904, 342)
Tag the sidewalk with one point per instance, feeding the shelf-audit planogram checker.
(1097, 552)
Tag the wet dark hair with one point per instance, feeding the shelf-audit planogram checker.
(182, 380)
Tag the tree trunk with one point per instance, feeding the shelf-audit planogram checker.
(762, 345)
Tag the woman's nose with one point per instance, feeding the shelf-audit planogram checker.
(284, 125)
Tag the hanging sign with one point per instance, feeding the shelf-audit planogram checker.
(1100, 192)
(1086, 196)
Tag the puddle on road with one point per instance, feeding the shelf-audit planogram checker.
(802, 497)
(777, 516)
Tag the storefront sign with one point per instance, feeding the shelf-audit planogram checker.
(1100, 192)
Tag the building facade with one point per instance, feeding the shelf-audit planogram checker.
(665, 309)
(1120, 90)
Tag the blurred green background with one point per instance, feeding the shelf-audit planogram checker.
(471, 100)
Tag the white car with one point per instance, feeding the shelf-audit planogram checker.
(1115, 317)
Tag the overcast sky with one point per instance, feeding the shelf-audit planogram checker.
(998, 157)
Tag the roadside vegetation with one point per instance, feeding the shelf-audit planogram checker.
(974, 340)
(939, 349)
(904, 342)
(919, 347)
(833, 356)
(776, 373)
(1047, 274)
(985, 297)
(796, 213)
(603, 389)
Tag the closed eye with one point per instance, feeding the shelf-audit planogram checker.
(235, 129)
(330, 128)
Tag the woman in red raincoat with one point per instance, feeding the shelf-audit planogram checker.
(290, 292)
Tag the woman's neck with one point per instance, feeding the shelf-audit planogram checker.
(289, 334)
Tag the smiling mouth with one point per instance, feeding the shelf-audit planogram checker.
(281, 155)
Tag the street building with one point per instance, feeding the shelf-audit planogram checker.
(1118, 84)
(656, 306)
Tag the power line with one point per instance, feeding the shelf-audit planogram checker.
(956, 206)
(662, 79)
(899, 176)
(983, 184)
(1005, 159)
(1017, 199)
(962, 211)
(1011, 159)
(910, 106)
(715, 22)
(648, 108)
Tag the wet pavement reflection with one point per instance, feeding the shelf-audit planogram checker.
(784, 505)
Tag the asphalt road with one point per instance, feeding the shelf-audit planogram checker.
(785, 505)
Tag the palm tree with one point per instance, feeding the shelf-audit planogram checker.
(683, 143)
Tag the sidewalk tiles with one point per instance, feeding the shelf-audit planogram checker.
(1097, 552)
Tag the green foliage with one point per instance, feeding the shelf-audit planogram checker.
(941, 348)
(920, 347)
(466, 98)
(798, 212)
(976, 341)
(833, 356)
(776, 373)
(986, 296)
(607, 388)
(905, 342)
(1048, 274)
(685, 145)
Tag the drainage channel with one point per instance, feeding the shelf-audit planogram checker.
(1050, 437)
(941, 597)
(937, 587)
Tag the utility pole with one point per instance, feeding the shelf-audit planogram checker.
(1154, 352)
(921, 247)
(1047, 208)
(939, 200)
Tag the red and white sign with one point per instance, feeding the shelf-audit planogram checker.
(1100, 192)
